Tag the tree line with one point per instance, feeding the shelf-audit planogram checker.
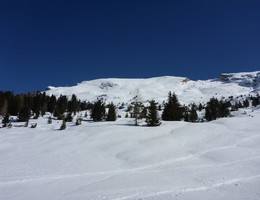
(26, 106)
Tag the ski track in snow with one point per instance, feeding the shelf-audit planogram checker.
(22, 180)
(195, 189)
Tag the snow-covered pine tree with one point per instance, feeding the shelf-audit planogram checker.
(111, 115)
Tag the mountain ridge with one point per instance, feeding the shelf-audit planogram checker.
(119, 90)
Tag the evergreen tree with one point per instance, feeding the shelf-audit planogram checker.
(246, 103)
(44, 103)
(111, 116)
(217, 109)
(223, 109)
(136, 107)
(172, 109)
(208, 115)
(52, 104)
(193, 113)
(37, 103)
(25, 112)
(98, 111)
(255, 100)
(15, 104)
(73, 104)
(143, 113)
(6, 120)
(69, 117)
(186, 113)
(4, 107)
(61, 107)
(152, 118)
(200, 107)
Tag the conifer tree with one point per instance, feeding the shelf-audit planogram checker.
(111, 115)
(61, 106)
(37, 103)
(73, 104)
(25, 112)
(6, 120)
(98, 111)
(69, 117)
(193, 113)
(52, 104)
(153, 118)
(186, 113)
(136, 106)
(172, 109)
(255, 100)
(246, 103)
(216, 109)
(143, 113)
(4, 107)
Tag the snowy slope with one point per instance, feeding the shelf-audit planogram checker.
(188, 91)
(115, 160)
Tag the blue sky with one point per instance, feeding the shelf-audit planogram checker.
(60, 43)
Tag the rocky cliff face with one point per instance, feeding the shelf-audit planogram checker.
(245, 79)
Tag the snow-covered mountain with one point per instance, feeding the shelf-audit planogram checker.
(188, 91)
(118, 161)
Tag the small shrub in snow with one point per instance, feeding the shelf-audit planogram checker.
(33, 125)
(49, 120)
(63, 125)
(78, 121)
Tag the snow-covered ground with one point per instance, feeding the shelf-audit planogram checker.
(116, 160)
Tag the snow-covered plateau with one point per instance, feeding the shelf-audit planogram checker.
(118, 161)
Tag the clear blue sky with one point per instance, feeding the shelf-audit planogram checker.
(59, 43)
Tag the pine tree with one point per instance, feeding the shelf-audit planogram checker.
(255, 100)
(25, 113)
(193, 113)
(217, 109)
(246, 103)
(136, 107)
(4, 107)
(208, 115)
(186, 113)
(15, 104)
(98, 111)
(37, 105)
(69, 117)
(111, 116)
(152, 118)
(61, 107)
(6, 120)
(172, 109)
(200, 107)
(73, 104)
(143, 113)
(223, 109)
(52, 104)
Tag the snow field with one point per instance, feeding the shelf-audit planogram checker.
(116, 160)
